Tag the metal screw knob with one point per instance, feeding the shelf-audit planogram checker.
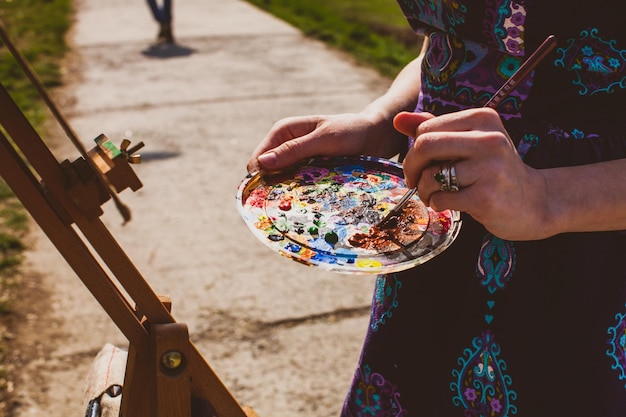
(129, 154)
(172, 360)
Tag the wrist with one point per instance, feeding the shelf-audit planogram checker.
(389, 141)
(565, 204)
(550, 207)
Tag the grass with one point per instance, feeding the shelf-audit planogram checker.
(375, 32)
(13, 226)
(37, 28)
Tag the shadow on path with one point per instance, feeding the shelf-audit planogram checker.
(167, 50)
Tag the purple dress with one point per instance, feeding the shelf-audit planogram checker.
(496, 328)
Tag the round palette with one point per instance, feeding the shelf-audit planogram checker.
(326, 212)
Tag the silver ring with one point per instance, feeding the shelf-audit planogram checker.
(445, 186)
(454, 182)
(446, 177)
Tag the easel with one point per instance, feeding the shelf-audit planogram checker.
(164, 371)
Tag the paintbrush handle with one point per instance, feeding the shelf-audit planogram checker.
(522, 72)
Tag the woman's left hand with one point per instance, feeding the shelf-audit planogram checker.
(496, 187)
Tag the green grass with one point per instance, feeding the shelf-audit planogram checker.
(13, 226)
(375, 32)
(37, 28)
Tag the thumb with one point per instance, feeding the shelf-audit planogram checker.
(287, 154)
(407, 123)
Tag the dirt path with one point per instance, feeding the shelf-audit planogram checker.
(284, 338)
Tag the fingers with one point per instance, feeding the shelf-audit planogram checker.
(472, 135)
(431, 150)
(462, 200)
(484, 119)
(284, 144)
(408, 123)
(286, 154)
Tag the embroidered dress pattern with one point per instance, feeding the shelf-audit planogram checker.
(446, 59)
(457, 74)
(385, 299)
(374, 396)
(481, 386)
(496, 263)
(617, 349)
(598, 65)
(506, 25)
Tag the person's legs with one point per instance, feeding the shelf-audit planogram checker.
(163, 15)
(167, 11)
(154, 8)
(165, 35)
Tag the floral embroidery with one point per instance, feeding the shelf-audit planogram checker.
(507, 66)
(617, 349)
(373, 396)
(447, 58)
(496, 263)
(597, 65)
(480, 385)
(385, 299)
(506, 23)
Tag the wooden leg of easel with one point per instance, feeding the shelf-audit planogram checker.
(249, 411)
(170, 343)
(158, 383)
(138, 385)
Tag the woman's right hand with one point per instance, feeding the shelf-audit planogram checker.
(293, 139)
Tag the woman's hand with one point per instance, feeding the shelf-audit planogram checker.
(369, 132)
(296, 138)
(496, 188)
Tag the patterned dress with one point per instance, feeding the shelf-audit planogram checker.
(500, 328)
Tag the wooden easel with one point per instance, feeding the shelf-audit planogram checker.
(165, 373)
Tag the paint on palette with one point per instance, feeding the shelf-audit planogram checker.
(324, 213)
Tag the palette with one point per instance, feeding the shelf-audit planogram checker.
(324, 212)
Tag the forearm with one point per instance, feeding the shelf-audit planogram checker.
(586, 198)
(401, 96)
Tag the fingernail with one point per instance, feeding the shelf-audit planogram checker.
(268, 160)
